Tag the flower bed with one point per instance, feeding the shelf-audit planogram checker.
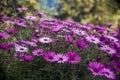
(35, 47)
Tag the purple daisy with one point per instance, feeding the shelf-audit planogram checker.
(49, 56)
(69, 39)
(78, 31)
(108, 49)
(82, 44)
(37, 52)
(61, 58)
(4, 35)
(28, 58)
(109, 73)
(13, 31)
(41, 15)
(31, 43)
(73, 57)
(5, 46)
(45, 40)
(96, 68)
(92, 39)
(111, 38)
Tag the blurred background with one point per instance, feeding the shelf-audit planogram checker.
(98, 12)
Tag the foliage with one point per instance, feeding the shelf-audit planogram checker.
(90, 11)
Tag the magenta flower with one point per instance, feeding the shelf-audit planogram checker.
(37, 52)
(40, 14)
(73, 57)
(49, 56)
(111, 38)
(31, 43)
(13, 31)
(108, 49)
(108, 73)
(57, 27)
(4, 35)
(5, 46)
(92, 39)
(78, 31)
(28, 58)
(69, 39)
(96, 68)
(61, 58)
(82, 44)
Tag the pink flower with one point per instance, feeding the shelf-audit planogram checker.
(96, 68)
(61, 58)
(108, 73)
(13, 31)
(73, 57)
(4, 35)
(37, 52)
(92, 39)
(49, 56)
(69, 39)
(108, 49)
(28, 58)
(82, 44)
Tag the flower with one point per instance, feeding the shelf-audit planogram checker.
(57, 27)
(73, 57)
(28, 58)
(22, 9)
(45, 40)
(111, 38)
(69, 39)
(92, 39)
(19, 48)
(32, 18)
(41, 15)
(78, 31)
(61, 58)
(96, 68)
(108, 49)
(37, 52)
(5, 46)
(49, 56)
(13, 31)
(4, 35)
(82, 44)
(108, 73)
(31, 43)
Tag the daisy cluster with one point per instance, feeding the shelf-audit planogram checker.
(59, 41)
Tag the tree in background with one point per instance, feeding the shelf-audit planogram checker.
(90, 11)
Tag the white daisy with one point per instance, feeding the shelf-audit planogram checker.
(19, 48)
(92, 39)
(45, 40)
